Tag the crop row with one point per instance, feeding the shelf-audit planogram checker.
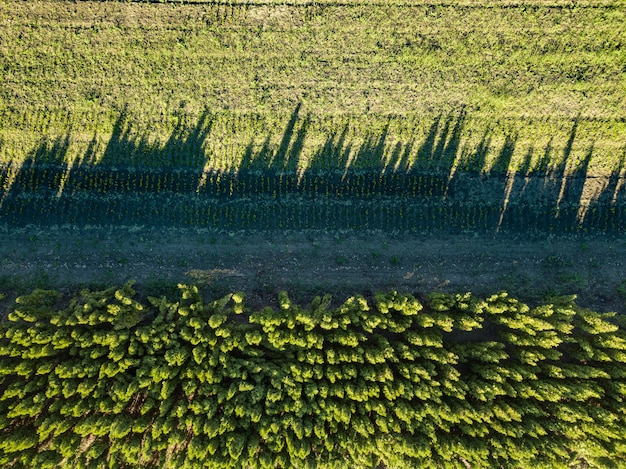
(544, 187)
(46, 192)
(297, 213)
(228, 184)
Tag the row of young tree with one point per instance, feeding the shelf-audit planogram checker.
(106, 380)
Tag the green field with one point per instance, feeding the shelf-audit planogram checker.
(181, 95)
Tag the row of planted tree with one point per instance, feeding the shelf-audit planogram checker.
(104, 379)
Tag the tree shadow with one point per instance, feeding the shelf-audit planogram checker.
(432, 182)
(184, 147)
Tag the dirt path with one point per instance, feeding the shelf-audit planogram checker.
(307, 264)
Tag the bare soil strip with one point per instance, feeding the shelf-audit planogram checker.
(308, 264)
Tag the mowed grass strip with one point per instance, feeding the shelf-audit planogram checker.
(524, 71)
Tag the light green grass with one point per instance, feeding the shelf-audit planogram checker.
(523, 70)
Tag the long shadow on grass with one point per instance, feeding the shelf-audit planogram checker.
(183, 149)
(431, 183)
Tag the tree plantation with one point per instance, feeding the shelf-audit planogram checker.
(103, 379)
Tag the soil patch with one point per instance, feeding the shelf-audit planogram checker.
(311, 263)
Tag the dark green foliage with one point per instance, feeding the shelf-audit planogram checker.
(456, 382)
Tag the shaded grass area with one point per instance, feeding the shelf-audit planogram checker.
(426, 183)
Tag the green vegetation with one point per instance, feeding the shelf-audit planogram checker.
(263, 115)
(526, 71)
(538, 60)
(106, 380)
(438, 188)
(186, 97)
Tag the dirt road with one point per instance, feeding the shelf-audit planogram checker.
(306, 264)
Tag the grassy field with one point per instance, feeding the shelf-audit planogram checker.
(355, 115)
(522, 70)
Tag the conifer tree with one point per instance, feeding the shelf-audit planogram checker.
(457, 381)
